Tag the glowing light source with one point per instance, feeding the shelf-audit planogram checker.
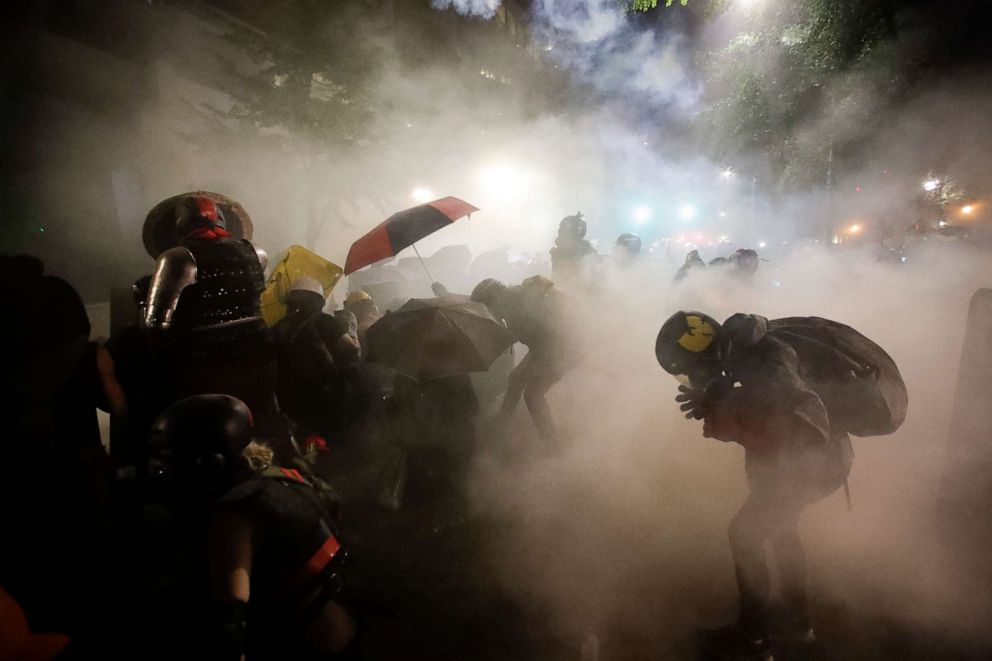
(967, 208)
(642, 214)
(931, 185)
(854, 229)
(762, 244)
(727, 174)
(687, 212)
(421, 194)
(502, 181)
(723, 214)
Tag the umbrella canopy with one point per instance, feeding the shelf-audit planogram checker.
(403, 229)
(297, 262)
(435, 337)
(159, 231)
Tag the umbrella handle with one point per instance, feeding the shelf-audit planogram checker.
(429, 277)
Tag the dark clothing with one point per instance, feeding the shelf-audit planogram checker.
(794, 457)
(569, 257)
(539, 317)
(297, 559)
(320, 395)
(219, 343)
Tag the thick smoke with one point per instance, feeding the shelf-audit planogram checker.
(623, 532)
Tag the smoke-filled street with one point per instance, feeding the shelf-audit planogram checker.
(592, 330)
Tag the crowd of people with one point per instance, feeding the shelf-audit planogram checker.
(253, 471)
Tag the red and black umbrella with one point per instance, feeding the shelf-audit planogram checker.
(403, 229)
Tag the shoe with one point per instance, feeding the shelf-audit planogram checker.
(730, 643)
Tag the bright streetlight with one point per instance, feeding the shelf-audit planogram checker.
(967, 209)
(422, 195)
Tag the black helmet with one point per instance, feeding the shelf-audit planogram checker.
(198, 212)
(203, 436)
(687, 344)
(489, 291)
(629, 242)
(574, 226)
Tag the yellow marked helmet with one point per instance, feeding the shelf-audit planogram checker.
(687, 342)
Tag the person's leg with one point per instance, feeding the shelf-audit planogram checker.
(537, 404)
(764, 517)
(515, 385)
(790, 556)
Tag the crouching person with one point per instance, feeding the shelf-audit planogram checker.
(273, 565)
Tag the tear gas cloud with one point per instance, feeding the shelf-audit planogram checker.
(624, 531)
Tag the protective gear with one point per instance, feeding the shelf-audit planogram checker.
(573, 226)
(488, 292)
(305, 293)
(229, 280)
(263, 257)
(356, 296)
(746, 261)
(697, 402)
(200, 438)
(692, 261)
(197, 213)
(159, 232)
(687, 344)
(174, 271)
(631, 243)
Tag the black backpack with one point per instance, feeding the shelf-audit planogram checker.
(858, 382)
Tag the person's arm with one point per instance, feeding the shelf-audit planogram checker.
(770, 406)
(230, 560)
(112, 389)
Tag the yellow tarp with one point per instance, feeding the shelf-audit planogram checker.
(297, 262)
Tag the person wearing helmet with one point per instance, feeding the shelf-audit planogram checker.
(693, 262)
(366, 312)
(263, 572)
(627, 249)
(203, 307)
(572, 253)
(745, 262)
(747, 386)
(313, 350)
(537, 315)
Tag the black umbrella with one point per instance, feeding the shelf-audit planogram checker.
(435, 337)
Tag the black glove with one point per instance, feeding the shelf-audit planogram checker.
(691, 402)
(697, 403)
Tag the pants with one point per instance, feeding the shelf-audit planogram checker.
(533, 378)
(783, 485)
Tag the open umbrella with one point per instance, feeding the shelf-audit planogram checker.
(435, 337)
(403, 229)
(297, 262)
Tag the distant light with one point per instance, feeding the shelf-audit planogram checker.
(421, 194)
(762, 244)
(854, 229)
(724, 238)
(547, 48)
(723, 214)
(942, 224)
(727, 174)
(642, 214)
(687, 212)
(967, 208)
(857, 189)
(833, 239)
(931, 185)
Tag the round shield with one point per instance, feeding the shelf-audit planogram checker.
(159, 231)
